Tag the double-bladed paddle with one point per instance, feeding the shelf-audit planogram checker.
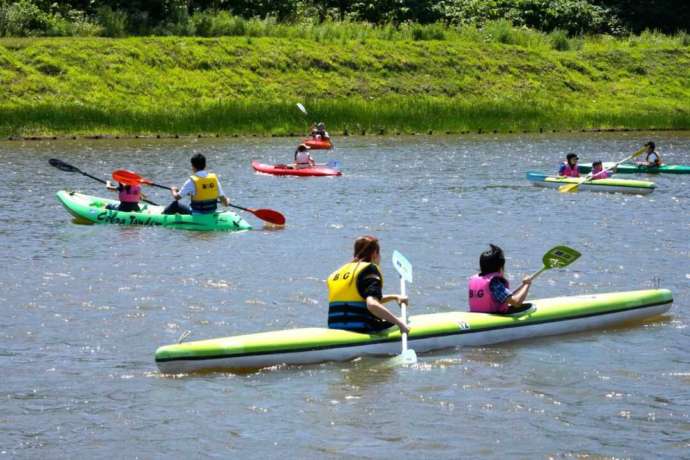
(404, 269)
(62, 166)
(574, 187)
(129, 177)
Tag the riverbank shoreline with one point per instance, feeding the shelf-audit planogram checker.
(111, 137)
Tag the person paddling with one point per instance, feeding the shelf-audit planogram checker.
(598, 171)
(319, 132)
(569, 167)
(489, 289)
(204, 189)
(129, 196)
(355, 293)
(653, 159)
(303, 158)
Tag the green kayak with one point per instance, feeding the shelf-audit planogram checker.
(91, 210)
(543, 317)
(633, 168)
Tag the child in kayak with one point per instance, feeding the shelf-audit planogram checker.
(569, 167)
(204, 189)
(488, 290)
(598, 171)
(303, 158)
(129, 196)
(355, 293)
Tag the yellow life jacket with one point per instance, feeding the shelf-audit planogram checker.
(205, 198)
(347, 309)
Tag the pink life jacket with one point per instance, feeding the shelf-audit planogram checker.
(481, 300)
(603, 174)
(133, 195)
(569, 171)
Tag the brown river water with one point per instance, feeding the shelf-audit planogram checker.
(85, 307)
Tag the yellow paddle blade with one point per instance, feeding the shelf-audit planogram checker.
(567, 188)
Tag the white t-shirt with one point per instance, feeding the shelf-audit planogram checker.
(302, 157)
(189, 189)
(652, 157)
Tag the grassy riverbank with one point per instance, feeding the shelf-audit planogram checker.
(248, 85)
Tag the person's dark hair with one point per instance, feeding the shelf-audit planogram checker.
(650, 144)
(302, 148)
(570, 156)
(199, 162)
(596, 163)
(365, 248)
(491, 260)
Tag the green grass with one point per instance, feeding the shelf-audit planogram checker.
(497, 78)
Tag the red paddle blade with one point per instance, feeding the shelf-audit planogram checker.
(126, 177)
(269, 215)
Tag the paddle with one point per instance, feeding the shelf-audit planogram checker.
(301, 108)
(557, 257)
(268, 215)
(404, 269)
(62, 166)
(573, 187)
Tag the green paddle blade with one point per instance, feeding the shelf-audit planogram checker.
(560, 256)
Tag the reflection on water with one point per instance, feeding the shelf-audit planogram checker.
(86, 306)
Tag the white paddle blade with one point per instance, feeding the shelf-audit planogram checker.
(406, 358)
(302, 109)
(402, 266)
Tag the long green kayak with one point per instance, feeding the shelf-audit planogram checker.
(91, 210)
(633, 168)
(558, 315)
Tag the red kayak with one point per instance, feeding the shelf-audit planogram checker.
(318, 144)
(288, 170)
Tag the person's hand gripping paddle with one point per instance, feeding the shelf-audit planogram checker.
(404, 269)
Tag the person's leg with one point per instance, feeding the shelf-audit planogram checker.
(176, 208)
(128, 207)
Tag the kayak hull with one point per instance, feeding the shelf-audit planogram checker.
(317, 144)
(284, 170)
(631, 168)
(429, 332)
(88, 209)
(633, 187)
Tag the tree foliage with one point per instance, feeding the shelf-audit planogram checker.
(141, 17)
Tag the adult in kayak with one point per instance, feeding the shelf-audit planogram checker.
(489, 289)
(129, 196)
(355, 293)
(569, 167)
(598, 171)
(202, 186)
(319, 132)
(303, 158)
(653, 159)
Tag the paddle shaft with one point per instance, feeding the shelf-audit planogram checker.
(403, 313)
(543, 269)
